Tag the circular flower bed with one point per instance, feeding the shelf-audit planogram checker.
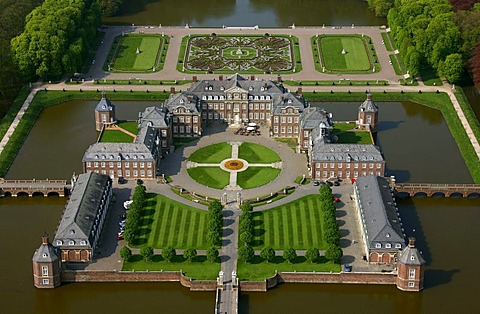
(234, 164)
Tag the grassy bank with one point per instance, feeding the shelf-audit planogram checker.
(199, 269)
(439, 101)
(44, 99)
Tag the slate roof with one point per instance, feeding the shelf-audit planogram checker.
(104, 104)
(379, 213)
(82, 209)
(45, 253)
(154, 117)
(411, 256)
(106, 152)
(324, 151)
(312, 117)
(190, 102)
(368, 105)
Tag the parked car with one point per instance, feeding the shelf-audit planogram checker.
(347, 268)
(126, 204)
(336, 183)
(316, 183)
(121, 180)
(120, 237)
(139, 181)
(123, 216)
(122, 223)
(336, 199)
(329, 183)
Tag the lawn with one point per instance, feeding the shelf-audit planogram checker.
(213, 177)
(347, 134)
(258, 270)
(214, 153)
(126, 57)
(386, 41)
(115, 136)
(356, 58)
(130, 126)
(255, 153)
(256, 176)
(396, 66)
(167, 222)
(296, 224)
(199, 269)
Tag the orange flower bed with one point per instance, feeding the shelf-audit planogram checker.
(234, 165)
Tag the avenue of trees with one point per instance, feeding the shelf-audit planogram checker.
(57, 37)
(110, 7)
(245, 231)
(330, 227)
(444, 34)
(132, 225)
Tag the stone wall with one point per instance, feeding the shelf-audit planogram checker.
(138, 276)
(260, 286)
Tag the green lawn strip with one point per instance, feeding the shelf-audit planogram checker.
(256, 153)
(199, 269)
(115, 136)
(139, 82)
(201, 230)
(171, 223)
(13, 110)
(258, 270)
(297, 234)
(396, 66)
(386, 41)
(468, 111)
(130, 126)
(213, 177)
(214, 153)
(256, 176)
(342, 82)
(354, 137)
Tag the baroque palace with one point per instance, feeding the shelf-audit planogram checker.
(236, 100)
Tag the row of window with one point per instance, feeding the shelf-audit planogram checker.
(285, 130)
(183, 119)
(119, 164)
(340, 165)
(236, 107)
(185, 129)
(339, 174)
(388, 245)
(127, 173)
(70, 242)
(290, 119)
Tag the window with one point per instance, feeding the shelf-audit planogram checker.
(388, 245)
(305, 133)
(324, 174)
(142, 173)
(355, 174)
(283, 129)
(364, 166)
(222, 106)
(378, 245)
(347, 174)
(175, 129)
(355, 165)
(127, 173)
(102, 165)
(59, 242)
(398, 246)
(332, 173)
(46, 281)
(348, 166)
(127, 164)
(289, 129)
(119, 173)
(411, 284)
(412, 257)
(83, 242)
(317, 174)
(142, 165)
(119, 165)
(332, 165)
(340, 165)
(149, 173)
(195, 119)
(371, 166)
(110, 164)
(71, 242)
(89, 164)
(95, 164)
(164, 132)
(135, 173)
(135, 165)
(283, 119)
(411, 273)
(149, 164)
(275, 119)
(289, 119)
(44, 270)
(275, 129)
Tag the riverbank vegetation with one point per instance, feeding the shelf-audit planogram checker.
(439, 101)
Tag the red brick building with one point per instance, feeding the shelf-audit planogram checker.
(410, 268)
(47, 266)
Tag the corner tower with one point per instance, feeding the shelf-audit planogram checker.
(411, 268)
(47, 268)
(104, 112)
(368, 115)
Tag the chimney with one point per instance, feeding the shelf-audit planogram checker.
(299, 90)
(45, 239)
(104, 95)
(265, 86)
(189, 98)
(194, 79)
(172, 90)
(411, 242)
(369, 96)
(279, 79)
(220, 77)
(252, 77)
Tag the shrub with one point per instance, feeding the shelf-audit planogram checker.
(212, 254)
(147, 253)
(125, 253)
(290, 255)
(268, 254)
(169, 253)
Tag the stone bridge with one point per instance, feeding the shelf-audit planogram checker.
(34, 187)
(437, 189)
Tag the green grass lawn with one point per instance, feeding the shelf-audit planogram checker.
(115, 136)
(213, 177)
(214, 153)
(127, 58)
(130, 126)
(396, 66)
(258, 270)
(356, 58)
(256, 176)
(256, 153)
(386, 40)
(296, 224)
(199, 269)
(346, 134)
(167, 222)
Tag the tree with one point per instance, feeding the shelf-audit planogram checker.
(125, 254)
(332, 236)
(290, 254)
(312, 255)
(380, 7)
(246, 253)
(247, 207)
(326, 193)
(147, 253)
(452, 67)
(189, 254)
(246, 237)
(129, 235)
(333, 253)
(212, 254)
(169, 253)
(268, 254)
(213, 238)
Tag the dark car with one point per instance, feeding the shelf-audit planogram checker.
(316, 183)
(329, 183)
(139, 181)
(347, 268)
(121, 180)
(336, 183)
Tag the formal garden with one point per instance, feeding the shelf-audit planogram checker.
(212, 165)
(239, 53)
(352, 54)
(123, 132)
(137, 53)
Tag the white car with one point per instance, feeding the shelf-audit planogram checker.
(126, 204)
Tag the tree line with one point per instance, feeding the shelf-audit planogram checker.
(441, 33)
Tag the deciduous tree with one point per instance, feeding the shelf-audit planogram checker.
(147, 253)
(169, 253)
(190, 254)
(268, 254)
(290, 254)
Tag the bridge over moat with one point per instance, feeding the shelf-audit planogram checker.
(436, 189)
(34, 187)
